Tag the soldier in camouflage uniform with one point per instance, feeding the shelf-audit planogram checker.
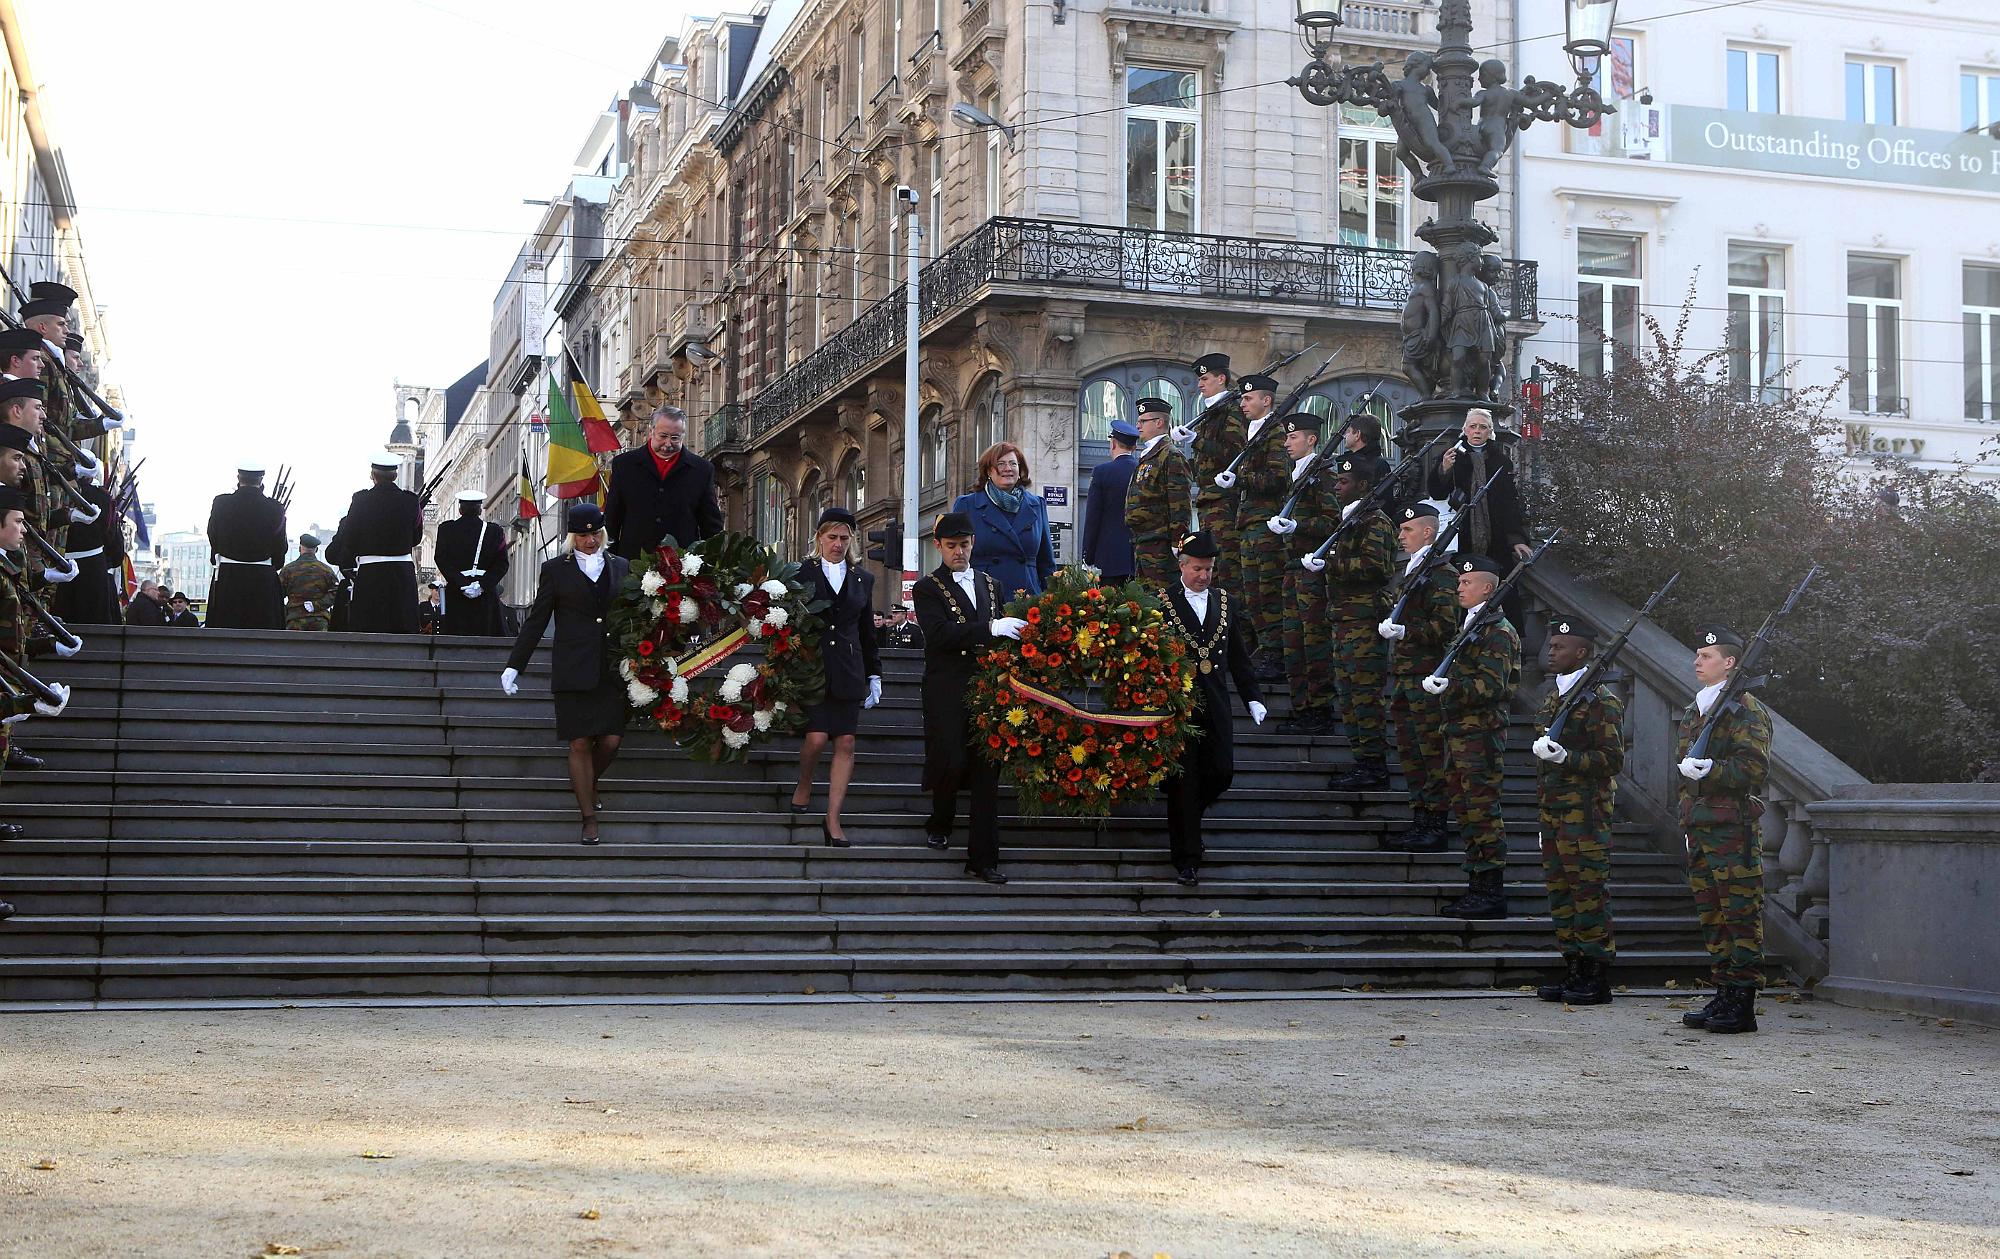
(1357, 571)
(1577, 782)
(1720, 808)
(21, 407)
(1308, 637)
(1219, 435)
(1419, 640)
(1157, 501)
(308, 586)
(1475, 698)
(1262, 481)
(15, 704)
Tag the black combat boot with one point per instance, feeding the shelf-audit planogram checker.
(1270, 666)
(17, 759)
(1555, 991)
(1738, 1013)
(1699, 1018)
(1433, 838)
(1401, 843)
(12, 830)
(1589, 985)
(6, 910)
(1366, 776)
(1486, 898)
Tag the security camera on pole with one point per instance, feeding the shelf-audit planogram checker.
(906, 197)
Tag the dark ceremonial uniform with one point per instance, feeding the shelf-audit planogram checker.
(1430, 618)
(1725, 857)
(308, 587)
(1218, 651)
(382, 527)
(590, 700)
(1107, 543)
(470, 551)
(1577, 797)
(98, 551)
(246, 531)
(957, 630)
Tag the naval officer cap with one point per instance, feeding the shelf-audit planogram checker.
(383, 461)
(952, 524)
(1478, 564)
(472, 496)
(1217, 363)
(1200, 546)
(19, 340)
(585, 518)
(1153, 406)
(13, 438)
(1573, 627)
(1417, 511)
(1303, 422)
(249, 467)
(1254, 381)
(21, 387)
(1124, 430)
(1718, 636)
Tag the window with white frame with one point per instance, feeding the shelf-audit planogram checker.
(1756, 319)
(1978, 99)
(1609, 288)
(892, 215)
(1616, 79)
(1162, 135)
(854, 484)
(1755, 83)
(1874, 335)
(1982, 342)
(1871, 92)
(860, 73)
(993, 159)
(854, 270)
(1374, 187)
(934, 226)
(936, 447)
(768, 503)
(988, 417)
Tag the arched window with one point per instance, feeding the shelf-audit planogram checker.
(815, 496)
(770, 520)
(1111, 395)
(986, 418)
(935, 451)
(854, 483)
(1381, 396)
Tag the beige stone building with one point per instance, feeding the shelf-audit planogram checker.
(1157, 192)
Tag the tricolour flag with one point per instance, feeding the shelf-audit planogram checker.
(572, 470)
(597, 434)
(529, 509)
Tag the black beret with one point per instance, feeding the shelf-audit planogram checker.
(1217, 363)
(1718, 636)
(1269, 384)
(1417, 511)
(19, 340)
(1478, 564)
(952, 524)
(1154, 406)
(1199, 546)
(586, 518)
(1574, 627)
(1304, 422)
(14, 438)
(11, 499)
(50, 291)
(308, 541)
(21, 387)
(836, 516)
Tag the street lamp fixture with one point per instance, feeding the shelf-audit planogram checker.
(1317, 24)
(972, 116)
(1587, 27)
(701, 354)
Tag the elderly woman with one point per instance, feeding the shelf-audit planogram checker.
(591, 706)
(1010, 525)
(853, 666)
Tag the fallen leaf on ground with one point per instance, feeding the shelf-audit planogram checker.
(588, 1213)
(1804, 1092)
(1215, 913)
(373, 1154)
(280, 1248)
(1959, 1171)
(1177, 988)
(46, 1165)
(1262, 1162)
(1673, 983)
(1525, 988)
(1291, 1022)
(810, 990)
(1397, 1040)
(1873, 1101)
(1947, 1022)
(580, 1101)
(1204, 1016)
(1137, 1125)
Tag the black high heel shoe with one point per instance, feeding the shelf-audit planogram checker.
(832, 840)
(800, 808)
(589, 824)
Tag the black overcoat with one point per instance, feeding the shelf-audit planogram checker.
(640, 509)
(580, 658)
(956, 634)
(847, 647)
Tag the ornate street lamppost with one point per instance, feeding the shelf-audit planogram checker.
(1455, 117)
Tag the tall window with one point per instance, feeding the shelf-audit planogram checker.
(860, 73)
(988, 417)
(1978, 99)
(1756, 319)
(768, 504)
(892, 217)
(1162, 122)
(1753, 81)
(934, 226)
(994, 158)
(854, 484)
(1982, 343)
(1874, 335)
(1871, 92)
(1616, 78)
(854, 270)
(1374, 188)
(1608, 288)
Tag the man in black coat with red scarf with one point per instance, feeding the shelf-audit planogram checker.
(661, 490)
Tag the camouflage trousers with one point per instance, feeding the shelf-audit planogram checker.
(1260, 554)
(1308, 642)
(1360, 663)
(315, 623)
(1420, 743)
(1153, 564)
(1726, 874)
(1477, 760)
(1576, 863)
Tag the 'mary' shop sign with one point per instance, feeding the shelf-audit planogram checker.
(1832, 149)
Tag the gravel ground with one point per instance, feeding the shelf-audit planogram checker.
(1186, 1128)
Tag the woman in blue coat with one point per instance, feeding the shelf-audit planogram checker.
(1010, 525)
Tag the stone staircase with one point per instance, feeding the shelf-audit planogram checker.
(269, 817)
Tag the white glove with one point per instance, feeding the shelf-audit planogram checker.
(874, 693)
(309, 605)
(1695, 770)
(1392, 631)
(57, 576)
(1551, 751)
(1436, 685)
(1007, 627)
(62, 701)
(112, 421)
(1225, 480)
(77, 517)
(1283, 526)
(1182, 436)
(66, 652)
(16, 719)
(472, 591)
(1258, 712)
(1312, 563)
(85, 472)
(510, 681)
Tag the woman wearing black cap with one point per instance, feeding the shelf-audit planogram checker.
(853, 666)
(591, 706)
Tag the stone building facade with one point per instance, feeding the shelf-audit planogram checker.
(1157, 192)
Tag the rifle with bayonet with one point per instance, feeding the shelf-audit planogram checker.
(1439, 545)
(1491, 611)
(1226, 479)
(1600, 664)
(1377, 497)
(1234, 392)
(94, 406)
(1745, 678)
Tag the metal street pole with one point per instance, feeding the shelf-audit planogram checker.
(911, 534)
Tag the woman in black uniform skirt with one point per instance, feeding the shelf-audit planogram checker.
(853, 665)
(591, 705)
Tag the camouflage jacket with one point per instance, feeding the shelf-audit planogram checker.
(1262, 481)
(1156, 502)
(1483, 679)
(1740, 748)
(1594, 736)
(14, 645)
(1359, 569)
(1219, 439)
(308, 581)
(1430, 619)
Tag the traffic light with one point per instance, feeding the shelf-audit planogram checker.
(885, 545)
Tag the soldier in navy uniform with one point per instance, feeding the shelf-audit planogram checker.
(471, 556)
(374, 543)
(246, 532)
(958, 609)
(1107, 543)
(1217, 635)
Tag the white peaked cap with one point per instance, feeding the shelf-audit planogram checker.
(472, 496)
(250, 467)
(383, 459)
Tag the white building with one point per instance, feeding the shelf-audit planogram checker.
(1808, 167)
(184, 563)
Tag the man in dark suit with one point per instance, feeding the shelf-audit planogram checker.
(148, 607)
(246, 532)
(661, 490)
(183, 616)
(471, 556)
(959, 612)
(1217, 635)
(1107, 543)
(373, 546)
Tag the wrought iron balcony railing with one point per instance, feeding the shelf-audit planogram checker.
(1016, 254)
(722, 430)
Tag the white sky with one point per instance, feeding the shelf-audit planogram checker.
(237, 164)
